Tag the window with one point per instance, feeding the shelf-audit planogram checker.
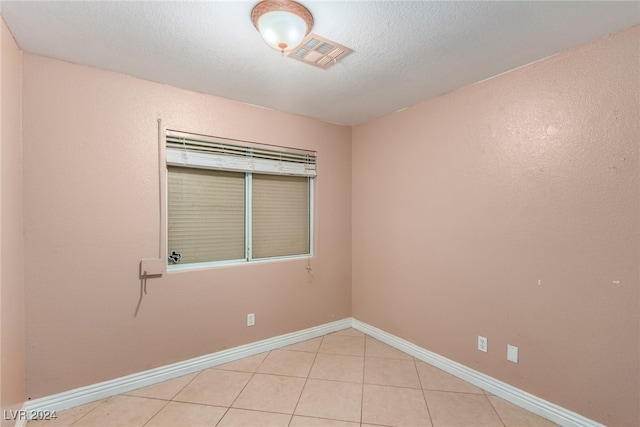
(233, 201)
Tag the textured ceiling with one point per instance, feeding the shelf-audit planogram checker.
(405, 52)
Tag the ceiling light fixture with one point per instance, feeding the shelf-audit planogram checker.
(283, 24)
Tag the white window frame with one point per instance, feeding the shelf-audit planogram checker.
(193, 159)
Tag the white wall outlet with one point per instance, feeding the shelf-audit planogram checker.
(251, 319)
(482, 343)
(512, 353)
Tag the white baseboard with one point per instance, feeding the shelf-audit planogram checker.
(22, 420)
(531, 403)
(91, 393)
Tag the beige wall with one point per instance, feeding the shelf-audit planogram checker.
(12, 321)
(509, 209)
(91, 214)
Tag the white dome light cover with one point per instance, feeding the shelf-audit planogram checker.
(283, 24)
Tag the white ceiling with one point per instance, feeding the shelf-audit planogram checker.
(405, 52)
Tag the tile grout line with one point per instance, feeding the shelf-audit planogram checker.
(172, 397)
(455, 392)
(88, 412)
(245, 386)
(495, 411)
(185, 386)
(364, 367)
(157, 412)
(424, 397)
(315, 356)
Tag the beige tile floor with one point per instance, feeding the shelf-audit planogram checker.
(344, 379)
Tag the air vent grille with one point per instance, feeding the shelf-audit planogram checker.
(318, 51)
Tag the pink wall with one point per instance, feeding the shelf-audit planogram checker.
(12, 321)
(462, 204)
(507, 209)
(91, 214)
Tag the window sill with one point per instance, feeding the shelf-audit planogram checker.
(178, 268)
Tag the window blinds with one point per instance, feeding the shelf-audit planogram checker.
(280, 215)
(199, 151)
(206, 213)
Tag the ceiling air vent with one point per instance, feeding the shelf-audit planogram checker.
(318, 51)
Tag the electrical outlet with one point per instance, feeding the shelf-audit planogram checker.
(482, 344)
(251, 319)
(512, 353)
